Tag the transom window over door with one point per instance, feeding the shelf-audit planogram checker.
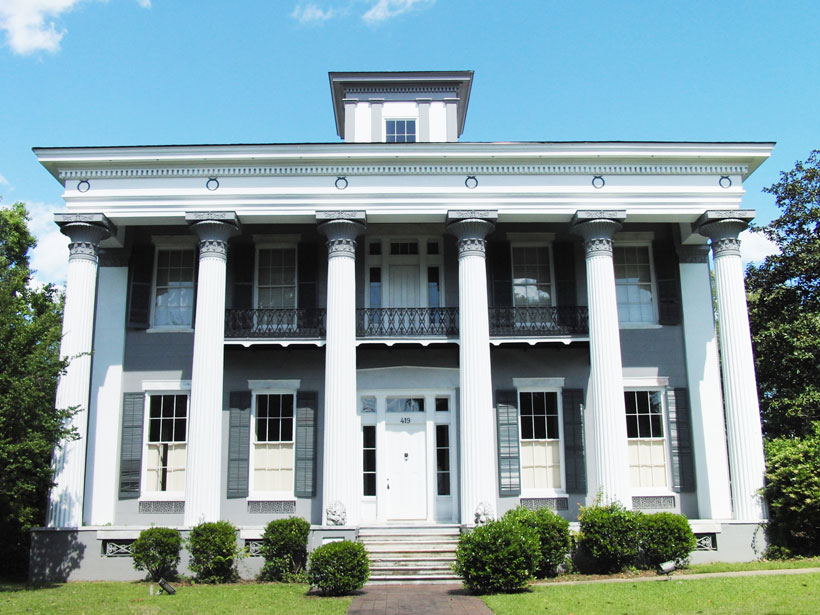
(532, 279)
(647, 445)
(174, 288)
(540, 440)
(273, 443)
(276, 278)
(166, 447)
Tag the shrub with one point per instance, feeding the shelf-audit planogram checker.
(793, 494)
(157, 551)
(213, 552)
(608, 539)
(665, 537)
(500, 556)
(284, 547)
(338, 568)
(553, 537)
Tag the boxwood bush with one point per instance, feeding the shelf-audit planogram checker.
(608, 540)
(499, 556)
(664, 537)
(554, 538)
(157, 551)
(338, 568)
(284, 547)
(214, 552)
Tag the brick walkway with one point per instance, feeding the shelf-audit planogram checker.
(416, 600)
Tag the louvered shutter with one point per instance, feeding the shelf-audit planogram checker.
(133, 411)
(680, 440)
(307, 403)
(141, 270)
(241, 258)
(668, 283)
(239, 434)
(574, 457)
(509, 465)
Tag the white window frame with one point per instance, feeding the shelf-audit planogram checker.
(258, 388)
(162, 387)
(531, 241)
(400, 118)
(165, 243)
(284, 244)
(639, 240)
(523, 387)
(424, 261)
(645, 385)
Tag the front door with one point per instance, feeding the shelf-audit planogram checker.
(406, 472)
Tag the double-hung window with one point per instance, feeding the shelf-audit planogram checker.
(540, 440)
(276, 277)
(174, 275)
(273, 438)
(532, 276)
(634, 287)
(166, 442)
(647, 444)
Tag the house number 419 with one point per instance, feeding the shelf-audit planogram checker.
(406, 419)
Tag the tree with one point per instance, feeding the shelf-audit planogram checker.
(30, 329)
(784, 306)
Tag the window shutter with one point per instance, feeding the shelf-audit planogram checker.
(509, 466)
(239, 434)
(307, 273)
(667, 276)
(305, 474)
(133, 410)
(242, 263)
(564, 254)
(141, 268)
(500, 261)
(680, 440)
(576, 470)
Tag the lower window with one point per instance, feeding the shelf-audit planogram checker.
(647, 445)
(540, 440)
(166, 445)
(273, 443)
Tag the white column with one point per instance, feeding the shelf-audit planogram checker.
(342, 471)
(203, 468)
(478, 476)
(703, 380)
(745, 437)
(606, 370)
(65, 507)
(105, 408)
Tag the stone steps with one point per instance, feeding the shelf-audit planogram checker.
(411, 554)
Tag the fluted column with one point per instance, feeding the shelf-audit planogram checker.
(743, 430)
(86, 231)
(341, 489)
(611, 454)
(204, 459)
(478, 476)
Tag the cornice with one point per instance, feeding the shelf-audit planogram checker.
(399, 169)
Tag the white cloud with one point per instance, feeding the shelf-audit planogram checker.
(755, 247)
(4, 181)
(386, 9)
(31, 25)
(307, 13)
(49, 259)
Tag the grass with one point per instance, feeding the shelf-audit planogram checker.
(808, 562)
(769, 595)
(134, 599)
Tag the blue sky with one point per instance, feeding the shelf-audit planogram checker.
(132, 72)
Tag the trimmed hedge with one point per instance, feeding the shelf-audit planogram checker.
(157, 551)
(338, 568)
(213, 552)
(554, 537)
(284, 547)
(665, 537)
(499, 556)
(608, 540)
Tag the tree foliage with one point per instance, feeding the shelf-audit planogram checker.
(30, 328)
(784, 306)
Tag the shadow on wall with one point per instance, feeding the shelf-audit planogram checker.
(55, 554)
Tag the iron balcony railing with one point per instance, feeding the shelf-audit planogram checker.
(275, 323)
(406, 322)
(539, 321)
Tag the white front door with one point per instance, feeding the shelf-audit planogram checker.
(406, 477)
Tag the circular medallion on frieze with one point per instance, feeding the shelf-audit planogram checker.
(598, 182)
(83, 185)
(341, 183)
(725, 181)
(212, 183)
(471, 182)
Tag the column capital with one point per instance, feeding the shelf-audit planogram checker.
(341, 229)
(470, 228)
(213, 228)
(86, 231)
(723, 228)
(597, 227)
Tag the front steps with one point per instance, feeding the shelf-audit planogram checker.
(411, 554)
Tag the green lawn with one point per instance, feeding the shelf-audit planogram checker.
(768, 595)
(134, 599)
(809, 562)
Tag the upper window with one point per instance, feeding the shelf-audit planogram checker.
(272, 459)
(540, 440)
(633, 284)
(532, 279)
(400, 131)
(276, 278)
(174, 287)
(647, 445)
(166, 443)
